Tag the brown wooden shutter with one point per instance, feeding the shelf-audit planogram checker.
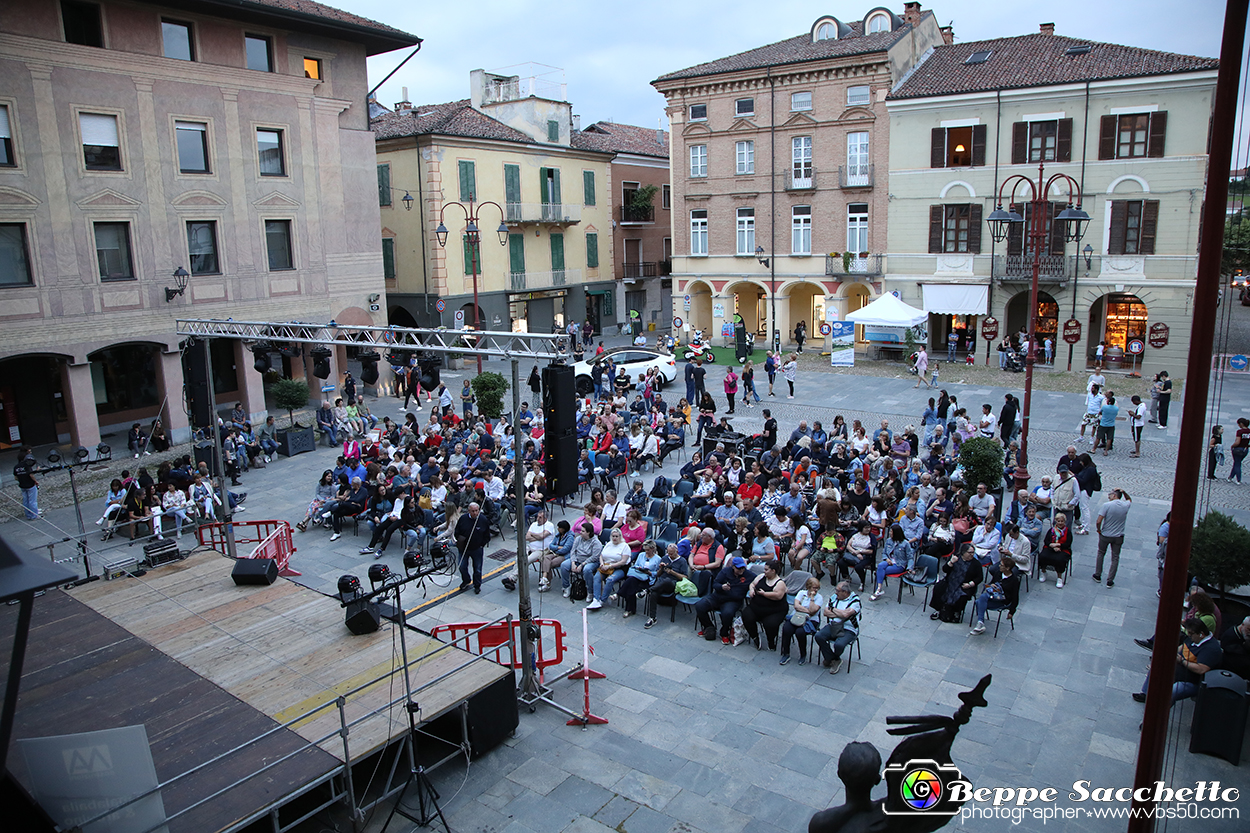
(937, 148)
(1020, 143)
(1106, 138)
(935, 229)
(1063, 142)
(974, 225)
(1119, 224)
(978, 145)
(1149, 226)
(1057, 230)
(1016, 232)
(1158, 130)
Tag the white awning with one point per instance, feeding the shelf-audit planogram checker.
(955, 299)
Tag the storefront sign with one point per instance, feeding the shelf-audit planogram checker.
(718, 310)
(1136, 347)
(989, 328)
(1072, 331)
(1159, 335)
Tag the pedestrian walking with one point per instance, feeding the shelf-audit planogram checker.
(1136, 422)
(24, 474)
(1106, 424)
(791, 371)
(1048, 347)
(731, 389)
(922, 367)
(1165, 398)
(1215, 450)
(933, 374)
(800, 334)
(1111, 523)
(748, 384)
(770, 367)
(1241, 445)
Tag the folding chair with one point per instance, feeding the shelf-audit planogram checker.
(1011, 620)
(657, 512)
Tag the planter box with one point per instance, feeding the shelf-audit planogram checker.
(455, 362)
(296, 441)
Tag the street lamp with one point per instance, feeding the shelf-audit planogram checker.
(1074, 221)
(180, 280)
(474, 236)
(766, 262)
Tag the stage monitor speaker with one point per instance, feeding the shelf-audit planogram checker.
(559, 399)
(255, 571)
(560, 453)
(195, 384)
(363, 617)
(204, 454)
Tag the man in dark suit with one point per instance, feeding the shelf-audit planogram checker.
(472, 536)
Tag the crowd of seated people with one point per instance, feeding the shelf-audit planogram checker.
(181, 491)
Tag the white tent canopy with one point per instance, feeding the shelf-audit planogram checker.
(888, 311)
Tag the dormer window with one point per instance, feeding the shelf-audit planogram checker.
(826, 31)
(879, 22)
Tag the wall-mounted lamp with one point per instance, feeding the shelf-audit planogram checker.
(759, 255)
(180, 278)
(1088, 251)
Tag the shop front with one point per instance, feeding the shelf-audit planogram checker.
(1114, 320)
(537, 312)
(1047, 317)
(954, 308)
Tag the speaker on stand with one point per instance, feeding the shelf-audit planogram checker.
(560, 451)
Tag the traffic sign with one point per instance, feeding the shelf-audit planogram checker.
(1136, 347)
(687, 299)
(677, 322)
(1237, 362)
(459, 319)
(825, 329)
(440, 305)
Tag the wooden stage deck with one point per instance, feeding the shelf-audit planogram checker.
(231, 663)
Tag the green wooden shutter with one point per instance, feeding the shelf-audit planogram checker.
(592, 250)
(384, 184)
(516, 253)
(544, 195)
(512, 187)
(555, 186)
(469, 255)
(557, 252)
(588, 187)
(468, 180)
(608, 297)
(553, 130)
(388, 257)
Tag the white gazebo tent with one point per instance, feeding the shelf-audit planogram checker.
(888, 311)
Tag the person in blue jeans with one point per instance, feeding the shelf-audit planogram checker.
(952, 342)
(841, 626)
(729, 592)
(24, 474)
(1002, 591)
(1198, 654)
(613, 561)
(584, 556)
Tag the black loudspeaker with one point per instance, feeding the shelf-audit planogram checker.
(363, 617)
(204, 454)
(255, 571)
(195, 382)
(560, 455)
(1220, 709)
(559, 399)
(429, 364)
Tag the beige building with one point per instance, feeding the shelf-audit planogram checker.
(141, 138)
(514, 143)
(782, 152)
(1130, 125)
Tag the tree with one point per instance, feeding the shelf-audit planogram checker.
(1236, 260)
(1220, 553)
(982, 461)
(489, 388)
(290, 394)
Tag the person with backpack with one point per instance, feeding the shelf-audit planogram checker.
(770, 367)
(578, 570)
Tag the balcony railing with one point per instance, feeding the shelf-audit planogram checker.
(855, 176)
(1054, 268)
(637, 213)
(666, 267)
(526, 281)
(801, 179)
(533, 212)
(650, 269)
(836, 266)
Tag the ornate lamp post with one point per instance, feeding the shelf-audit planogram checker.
(1074, 221)
(473, 235)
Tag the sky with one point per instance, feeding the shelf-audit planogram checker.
(611, 51)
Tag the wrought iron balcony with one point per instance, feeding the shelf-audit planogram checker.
(1054, 268)
(801, 179)
(526, 281)
(649, 269)
(637, 213)
(545, 212)
(855, 176)
(854, 266)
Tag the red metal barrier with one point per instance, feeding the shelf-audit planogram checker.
(273, 539)
(495, 639)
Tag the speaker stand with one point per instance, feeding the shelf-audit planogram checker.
(427, 797)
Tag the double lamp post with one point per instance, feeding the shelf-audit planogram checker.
(473, 237)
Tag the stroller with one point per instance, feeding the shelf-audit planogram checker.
(1014, 361)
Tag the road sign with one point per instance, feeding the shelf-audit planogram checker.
(687, 299)
(825, 329)
(1237, 362)
(1072, 331)
(441, 305)
(1159, 335)
(459, 317)
(989, 328)
(896, 294)
(1136, 347)
(677, 322)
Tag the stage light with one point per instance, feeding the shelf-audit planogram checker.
(369, 367)
(321, 362)
(103, 452)
(54, 458)
(349, 585)
(379, 573)
(261, 361)
(411, 560)
(81, 454)
(291, 351)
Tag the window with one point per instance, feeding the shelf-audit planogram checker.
(388, 258)
(176, 40)
(857, 170)
(698, 160)
(1041, 141)
(192, 140)
(269, 149)
(666, 196)
(801, 168)
(202, 246)
(259, 52)
(278, 245)
(112, 251)
(549, 193)
(857, 227)
(516, 258)
(467, 172)
(858, 95)
(7, 159)
(698, 112)
(588, 187)
(592, 250)
(1132, 135)
(82, 23)
(124, 377)
(101, 148)
(312, 68)
(878, 23)
(1018, 242)
(957, 147)
(801, 230)
(698, 231)
(746, 231)
(628, 191)
(744, 107)
(553, 130)
(955, 228)
(1133, 227)
(384, 184)
(827, 31)
(745, 154)
(800, 101)
(14, 262)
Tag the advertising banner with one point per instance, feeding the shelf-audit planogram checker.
(842, 344)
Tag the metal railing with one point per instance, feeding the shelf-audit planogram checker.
(870, 265)
(800, 179)
(651, 269)
(637, 213)
(1054, 268)
(542, 212)
(525, 281)
(855, 176)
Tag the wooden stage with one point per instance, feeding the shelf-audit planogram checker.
(229, 664)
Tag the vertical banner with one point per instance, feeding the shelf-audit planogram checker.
(842, 344)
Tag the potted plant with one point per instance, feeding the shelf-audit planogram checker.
(1217, 557)
(981, 460)
(847, 257)
(290, 394)
(489, 388)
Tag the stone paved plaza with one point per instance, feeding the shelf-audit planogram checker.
(704, 737)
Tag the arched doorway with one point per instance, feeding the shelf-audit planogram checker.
(467, 309)
(400, 317)
(855, 296)
(1047, 316)
(125, 380)
(31, 400)
(803, 300)
(700, 307)
(751, 302)
(1116, 319)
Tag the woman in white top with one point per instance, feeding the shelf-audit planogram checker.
(613, 561)
(613, 510)
(986, 539)
(802, 546)
(861, 443)
(650, 450)
(791, 371)
(174, 502)
(635, 439)
(808, 602)
(735, 472)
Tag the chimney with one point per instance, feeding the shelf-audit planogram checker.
(948, 34)
(401, 106)
(577, 122)
(1048, 28)
(911, 13)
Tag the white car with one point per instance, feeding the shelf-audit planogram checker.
(635, 360)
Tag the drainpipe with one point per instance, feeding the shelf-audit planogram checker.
(772, 207)
(425, 265)
(1076, 260)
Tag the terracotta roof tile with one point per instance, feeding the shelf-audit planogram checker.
(1037, 60)
(311, 9)
(455, 118)
(623, 138)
